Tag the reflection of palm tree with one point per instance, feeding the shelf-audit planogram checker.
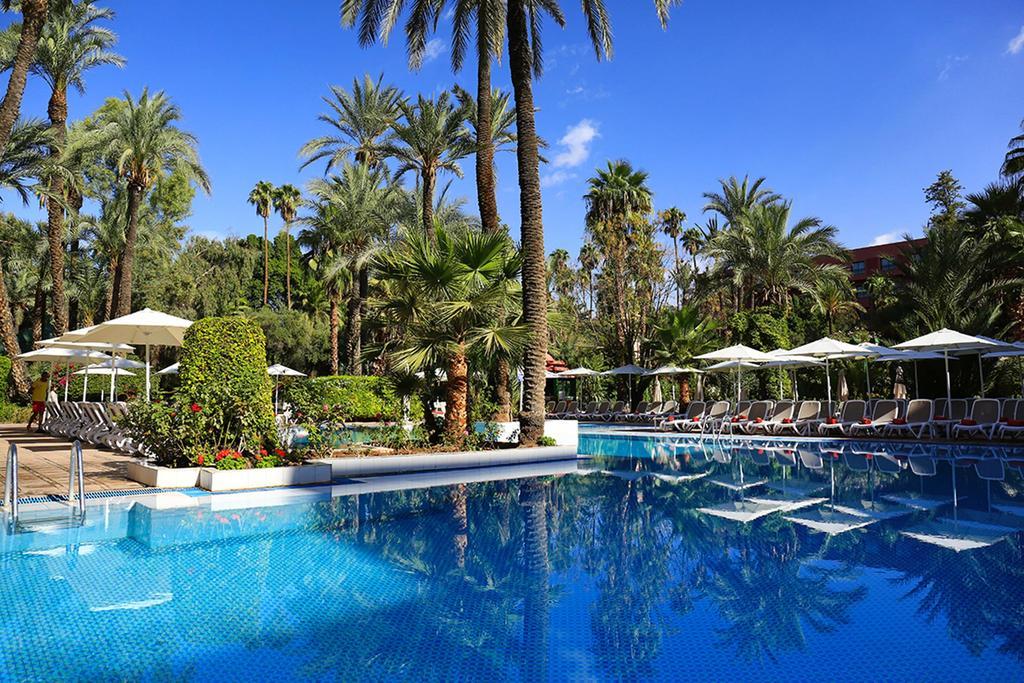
(536, 599)
(761, 628)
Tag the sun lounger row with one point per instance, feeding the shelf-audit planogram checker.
(92, 423)
(609, 411)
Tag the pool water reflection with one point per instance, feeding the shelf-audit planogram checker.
(624, 568)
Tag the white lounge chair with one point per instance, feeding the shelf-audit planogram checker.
(983, 420)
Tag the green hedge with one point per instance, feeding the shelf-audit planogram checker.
(357, 398)
(5, 378)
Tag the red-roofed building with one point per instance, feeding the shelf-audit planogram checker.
(884, 259)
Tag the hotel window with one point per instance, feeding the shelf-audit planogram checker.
(862, 292)
(857, 267)
(888, 264)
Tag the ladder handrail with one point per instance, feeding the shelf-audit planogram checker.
(11, 483)
(75, 467)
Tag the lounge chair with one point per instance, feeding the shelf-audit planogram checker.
(782, 410)
(559, 408)
(1013, 425)
(916, 419)
(756, 415)
(602, 408)
(713, 418)
(983, 420)
(571, 408)
(549, 407)
(946, 414)
(804, 418)
(885, 412)
(851, 413)
(653, 409)
(616, 410)
(667, 410)
(690, 420)
(641, 409)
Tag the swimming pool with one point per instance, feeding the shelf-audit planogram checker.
(638, 563)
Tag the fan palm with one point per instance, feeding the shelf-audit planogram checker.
(360, 206)
(71, 44)
(33, 18)
(447, 294)
(428, 140)
(360, 120)
(141, 139)
(681, 336)
(1013, 163)
(261, 196)
(832, 298)
(286, 202)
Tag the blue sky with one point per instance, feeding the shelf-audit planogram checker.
(848, 108)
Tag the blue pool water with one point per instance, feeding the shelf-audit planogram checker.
(618, 567)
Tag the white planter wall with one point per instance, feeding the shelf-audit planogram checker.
(261, 478)
(564, 432)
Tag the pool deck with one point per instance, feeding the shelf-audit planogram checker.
(43, 464)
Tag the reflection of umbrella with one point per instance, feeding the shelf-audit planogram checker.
(960, 534)
(629, 371)
(146, 327)
(947, 341)
(827, 349)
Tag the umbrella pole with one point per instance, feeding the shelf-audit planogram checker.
(949, 389)
(147, 373)
(917, 390)
(85, 386)
(828, 382)
(113, 372)
(981, 376)
(867, 375)
(49, 379)
(67, 379)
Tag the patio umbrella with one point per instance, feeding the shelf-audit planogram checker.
(670, 370)
(629, 371)
(910, 356)
(169, 370)
(946, 341)
(110, 369)
(142, 328)
(843, 389)
(997, 346)
(727, 365)
(827, 349)
(872, 351)
(278, 370)
(1017, 352)
(67, 357)
(789, 362)
(99, 369)
(738, 353)
(577, 373)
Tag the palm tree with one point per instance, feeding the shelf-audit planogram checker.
(360, 120)
(1013, 164)
(832, 297)
(446, 294)
(560, 275)
(362, 204)
(589, 258)
(681, 336)
(738, 198)
(25, 158)
(693, 242)
(428, 140)
(140, 138)
(671, 224)
(762, 252)
(262, 197)
(71, 44)
(618, 199)
(33, 14)
(286, 201)
(322, 243)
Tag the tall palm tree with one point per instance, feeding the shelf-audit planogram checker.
(446, 293)
(428, 140)
(286, 202)
(261, 196)
(672, 220)
(33, 17)
(362, 203)
(693, 242)
(360, 120)
(617, 200)
(589, 258)
(142, 141)
(71, 44)
(737, 198)
(23, 160)
(321, 240)
(1013, 163)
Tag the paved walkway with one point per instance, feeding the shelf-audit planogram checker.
(43, 464)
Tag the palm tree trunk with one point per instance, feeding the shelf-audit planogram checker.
(9, 335)
(456, 390)
(354, 331)
(112, 285)
(675, 275)
(334, 332)
(535, 295)
(33, 14)
(38, 309)
(123, 305)
(502, 395)
(266, 261)
(485, 190)
(288, 263)
(57, 109)
(428, 205)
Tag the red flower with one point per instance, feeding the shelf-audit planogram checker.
(220, 456)
(263, 451)
(236, 455)
(280, 452)
(196, 407)
(201, 459)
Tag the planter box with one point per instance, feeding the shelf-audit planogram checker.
(434, 462)
(564, 432)
(163, 477)
(269, 477)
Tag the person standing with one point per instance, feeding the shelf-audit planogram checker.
(39, 389)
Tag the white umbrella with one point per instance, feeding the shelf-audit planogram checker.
(912, 356)
(792, 363)
(67, 357)
(146, 328)
(102, 370)
(73, 338)
(670, 370)
(109, 368)
(278, 370)
(551, 375)
(578, 373)
(997, 346)
(827, 349)
(872, 351)
(169, 370)
(947, 341)
(739, 353)
(629, 371)
(844, 390)
(737, 365)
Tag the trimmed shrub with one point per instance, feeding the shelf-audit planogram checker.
(355, 398)
(5, 377)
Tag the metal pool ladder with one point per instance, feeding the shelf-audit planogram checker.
(76, 477)
(11, 484)
(76, 481)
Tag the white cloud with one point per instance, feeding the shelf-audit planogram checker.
(576, 144)
(952, 61)
(887, 238)
(556, 178)
(433, 50)
(1016, 44)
